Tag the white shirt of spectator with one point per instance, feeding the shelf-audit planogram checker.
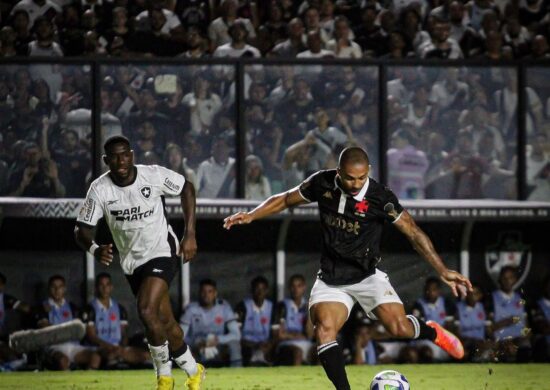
(34, 10)
(218, 31)
(399, 5)
(172, 21)
(440, 96)
(534, 167)
(53, 51)
(352, 51)
(226, 50)
(80, 120)
(203, 111)
(508, 112)
(397, 89)
(313, 69)
(135, 213)
(428, 46)
(211, 176)
(331, 137)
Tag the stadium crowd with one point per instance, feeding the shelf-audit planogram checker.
(452, 131)
(499, 325)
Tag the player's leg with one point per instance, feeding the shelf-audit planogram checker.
(133, 355)
(399, 325)
(149, 297)
(179, 351)
(87, 358)
(328, 318)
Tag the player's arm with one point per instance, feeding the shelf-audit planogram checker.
(424, 246)
(188, 244)
(272, 205)
(84, 236)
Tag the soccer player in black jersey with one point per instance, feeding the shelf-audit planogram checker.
(353, 209)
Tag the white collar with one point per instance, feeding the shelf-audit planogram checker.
(51, 302)
(103, 306)
(359, 197)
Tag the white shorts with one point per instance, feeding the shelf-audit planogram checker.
(370, 292)
(304, 345)
(69, 349)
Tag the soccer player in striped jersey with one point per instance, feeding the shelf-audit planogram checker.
(131, 199)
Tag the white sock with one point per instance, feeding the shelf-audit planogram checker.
(187, 362)
(161, 359)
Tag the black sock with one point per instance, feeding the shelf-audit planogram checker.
(421, 330)
(332, 359)
(178, 352)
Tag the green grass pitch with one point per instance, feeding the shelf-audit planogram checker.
(432, 377)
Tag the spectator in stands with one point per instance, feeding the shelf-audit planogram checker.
(540, 314)
(364, 348)
(538, 168)
(419, 111)
(410, 22)
(516, 36)
(7, 42)
(303, 158)
(274, 30)
(540, 49)
(341, 45)
(237, 47)
(441, 46)
(203, 104)
(366, 33)
(329, 135)
(398, 46)
(36, 9)
(312, 22)
(39, 177)
(147, 141)
(22, 27)
(215, 174)
(218, 30)
(196, 44)
(294, 44)
(506, 309)
(9, 359)
(162, 21)
(472, 327)
(254, 315)
(106, 325)
(44, 45)
(211, 328)
(292, 330)
(437, 155)
(315, 50)
(257, 186)
(477, 9)
(174, 160)
(387, 20)
(407, 167)
(75, 163)
(433, 307)
(449, 92)
(120, 31)
(474, 39)
(532, 12)
(479, 126)
(458, 20)
(54, 311)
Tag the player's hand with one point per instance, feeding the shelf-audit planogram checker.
(459, 284)
(240, 218)
(188, 247)
(104, 254)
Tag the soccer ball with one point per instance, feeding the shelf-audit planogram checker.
(389, 380)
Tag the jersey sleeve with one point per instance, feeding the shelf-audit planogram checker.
(171, 182)
(88, 315)
(310, 187)
(391, 207)
(228, 313)
(123, 315)
(185, 318)
(91, 210)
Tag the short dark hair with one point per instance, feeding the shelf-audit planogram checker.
(299, 277)
(208, 282)
(115, 139)
(101, 276)
(55, 277)
(353, 155)
(258, 280)
(2, 278)
(508, 268)
(432, 280)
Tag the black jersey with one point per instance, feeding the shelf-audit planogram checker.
(351, 228)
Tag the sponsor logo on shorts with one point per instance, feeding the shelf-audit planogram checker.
(87, 210)
(157, 271)
(171, 185)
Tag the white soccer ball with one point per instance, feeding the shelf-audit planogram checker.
(389, 380)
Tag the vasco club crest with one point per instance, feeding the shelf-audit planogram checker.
(508, 251)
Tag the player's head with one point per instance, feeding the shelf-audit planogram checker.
(432, 289)
(353, 169)
(507, 278)
(297, 286)
(259, 287)
(208, 292)
(56, 287)
(2, 282)
(119, 157)
(103, 285)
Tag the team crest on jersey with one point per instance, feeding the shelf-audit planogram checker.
(361, 207)
(508, 251)
(146, 192)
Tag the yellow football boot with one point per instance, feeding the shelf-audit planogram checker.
(165, 383)
(195, 382)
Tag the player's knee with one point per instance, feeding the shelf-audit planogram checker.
(147, 313)
(63, 363)
(325, 331)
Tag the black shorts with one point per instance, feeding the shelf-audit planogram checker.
(164, 268)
